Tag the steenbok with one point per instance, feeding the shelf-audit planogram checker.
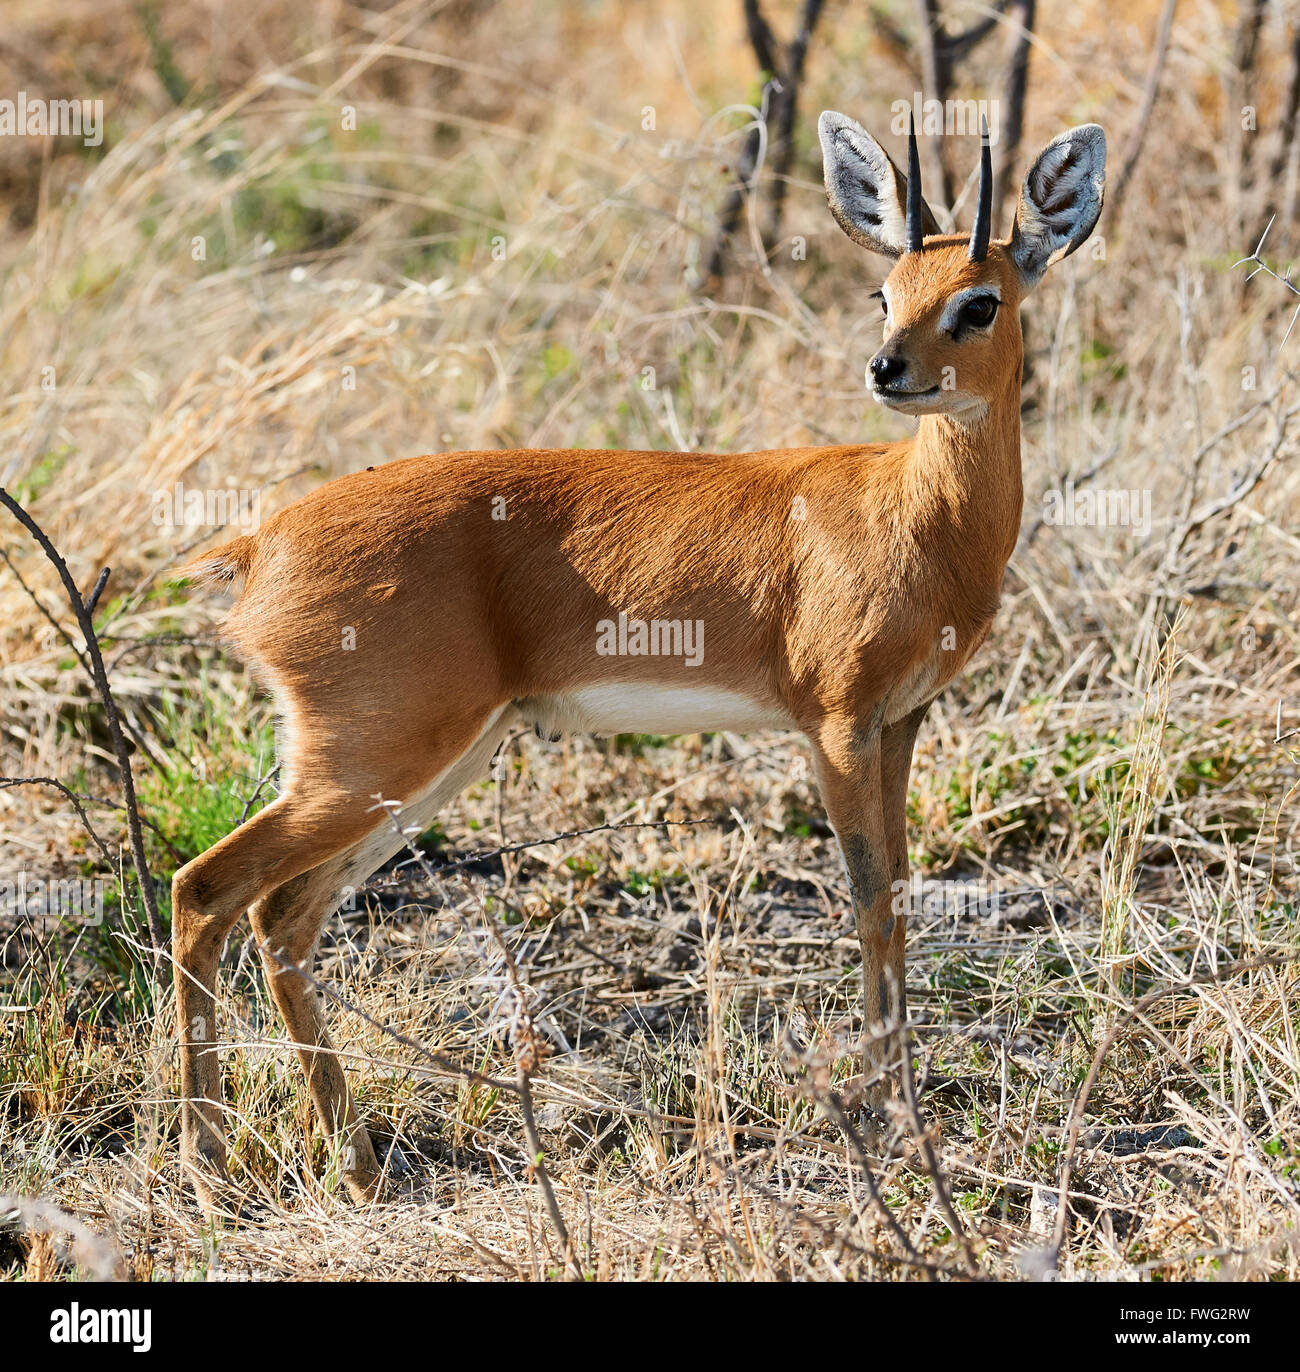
(405, 617)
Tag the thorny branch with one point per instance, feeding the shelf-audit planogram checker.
(76, 797)
(1262, 266)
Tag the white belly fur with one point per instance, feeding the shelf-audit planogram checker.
(649, 708)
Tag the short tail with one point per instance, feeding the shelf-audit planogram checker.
(223, 566)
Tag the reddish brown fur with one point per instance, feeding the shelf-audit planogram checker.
(821, 612)
(828, 618)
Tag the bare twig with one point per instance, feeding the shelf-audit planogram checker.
(439, 1060)
(1133, 149)
(928, 1158)
(100, 678)
(1013, 120)
(46, 615)
(74, 799)
(262, 783)
(93, 598)
(782, 71)
(830, 1101)
(487, 854)
(58, 628)
(76, 796)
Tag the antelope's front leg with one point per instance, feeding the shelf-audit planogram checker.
(896, 743)
(858, 765)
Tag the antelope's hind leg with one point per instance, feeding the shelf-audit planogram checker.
(287, 925)
(208, 896)
(290, 862)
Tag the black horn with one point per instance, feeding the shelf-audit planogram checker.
(914, 235)
(979, 235)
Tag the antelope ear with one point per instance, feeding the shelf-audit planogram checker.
(1060, 201)
(867, 192)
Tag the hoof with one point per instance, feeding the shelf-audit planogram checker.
(218, 1197)
(364, 1189)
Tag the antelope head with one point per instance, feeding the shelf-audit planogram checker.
(951, 303)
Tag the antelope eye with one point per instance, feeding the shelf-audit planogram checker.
(884, 304)
(979, 311)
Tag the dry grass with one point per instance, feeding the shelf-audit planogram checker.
(1105, 826)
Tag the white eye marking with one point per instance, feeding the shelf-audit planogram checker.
(952, 310)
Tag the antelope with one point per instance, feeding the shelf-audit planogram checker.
(406, 617)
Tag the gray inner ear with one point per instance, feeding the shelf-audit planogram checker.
(862, 185)
(1060, 202)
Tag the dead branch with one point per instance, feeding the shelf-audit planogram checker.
(1133, 148)
(74, 800)
(936, 80)
(81, 609)
(1244, 55)
(784, 104)
(1285, 168)
(506, 850)
(1013, 121)
(529, 1047)
(782, 71)
(830, 1101)
(74, 797)
(928, 1158)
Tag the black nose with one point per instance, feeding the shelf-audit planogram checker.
(886, 367)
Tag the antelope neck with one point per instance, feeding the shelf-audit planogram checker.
(972, 468)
